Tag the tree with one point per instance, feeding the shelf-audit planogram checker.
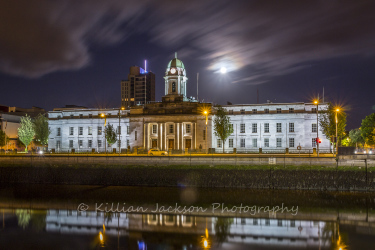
(222, 126)
(327, 122)
(356, 137)
(368, 129)
(110, 134)
(3, 138)
(26, 131)
(41, 129)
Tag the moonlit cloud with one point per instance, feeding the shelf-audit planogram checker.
(271, 37)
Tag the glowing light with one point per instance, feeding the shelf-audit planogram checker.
(337, 110)
(315, 102)
(102, 115)
(100, 236)
(205, 243)
(40, 152)
(223, 70)
(205, 112)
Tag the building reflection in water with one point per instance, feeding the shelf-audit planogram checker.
(197, 231)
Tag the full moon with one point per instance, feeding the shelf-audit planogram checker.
(223, 70)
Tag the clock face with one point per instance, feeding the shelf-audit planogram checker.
(173, 70)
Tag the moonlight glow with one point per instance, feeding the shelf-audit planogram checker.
(223, 70)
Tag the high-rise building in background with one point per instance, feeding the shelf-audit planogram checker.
(138, 89)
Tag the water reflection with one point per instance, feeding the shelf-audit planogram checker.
(181, 231)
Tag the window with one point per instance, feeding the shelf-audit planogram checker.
(255, 142)
(80, 131)
(278, 142)
(292, 223)
(266, 128)
(58, 131)
(58, 144)
(100, 130)
(291, 127)
(89, 143)
(188, 128)
(71, 116)
(204, 134)
(267, 222)
(278, 110)
(291, 142)
(127, 143)
(231, 143)
(279, 223)
(266, 142)
(90, 115)
(291, 110)
(80, 143)
(313, 110)
(128, 130)
(71, 131)
(119, 130)
(313, 142)
(254, 128)
(255, 111)
(154, 129)
(219, 144)
(80, 116)
(99, 143)
(231, 111)
(313, 128)
(171, 128)
(242, 127)
(267, 111)
(135, 135)
(173, 87)
(278, 127)
(243, 144)
(242, 111)
(70, 143)
(89, 131)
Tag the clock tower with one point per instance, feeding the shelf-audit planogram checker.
(175, 81)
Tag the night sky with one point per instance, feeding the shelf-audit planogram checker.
(54, 53)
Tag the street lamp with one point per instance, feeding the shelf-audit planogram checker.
(205, 112)
(105, 135)
(317, 127)
(118, 131)
(337, 110)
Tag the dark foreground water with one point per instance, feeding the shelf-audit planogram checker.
(91, 217)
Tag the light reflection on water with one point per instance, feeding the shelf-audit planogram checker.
(148, 231)
(25, 225)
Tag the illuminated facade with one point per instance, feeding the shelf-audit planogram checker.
(178, 122)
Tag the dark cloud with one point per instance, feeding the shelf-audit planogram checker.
(38, 37)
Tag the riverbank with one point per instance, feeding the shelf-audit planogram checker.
(221, 176)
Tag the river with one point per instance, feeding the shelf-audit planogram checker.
(93, 217)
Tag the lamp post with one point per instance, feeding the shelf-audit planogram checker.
(317, 127)
(206, 114)
(119, 140)
(337, 110)
(105, 134)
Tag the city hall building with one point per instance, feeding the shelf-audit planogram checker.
(178, 123)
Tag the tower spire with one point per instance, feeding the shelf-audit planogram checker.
(175, 54)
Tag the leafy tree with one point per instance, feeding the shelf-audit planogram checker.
(327, 122)
(355, 136)
(26, 131)
(222, 126)
(368, 129)
(3, 138)
(110, 134)
(41, 129)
